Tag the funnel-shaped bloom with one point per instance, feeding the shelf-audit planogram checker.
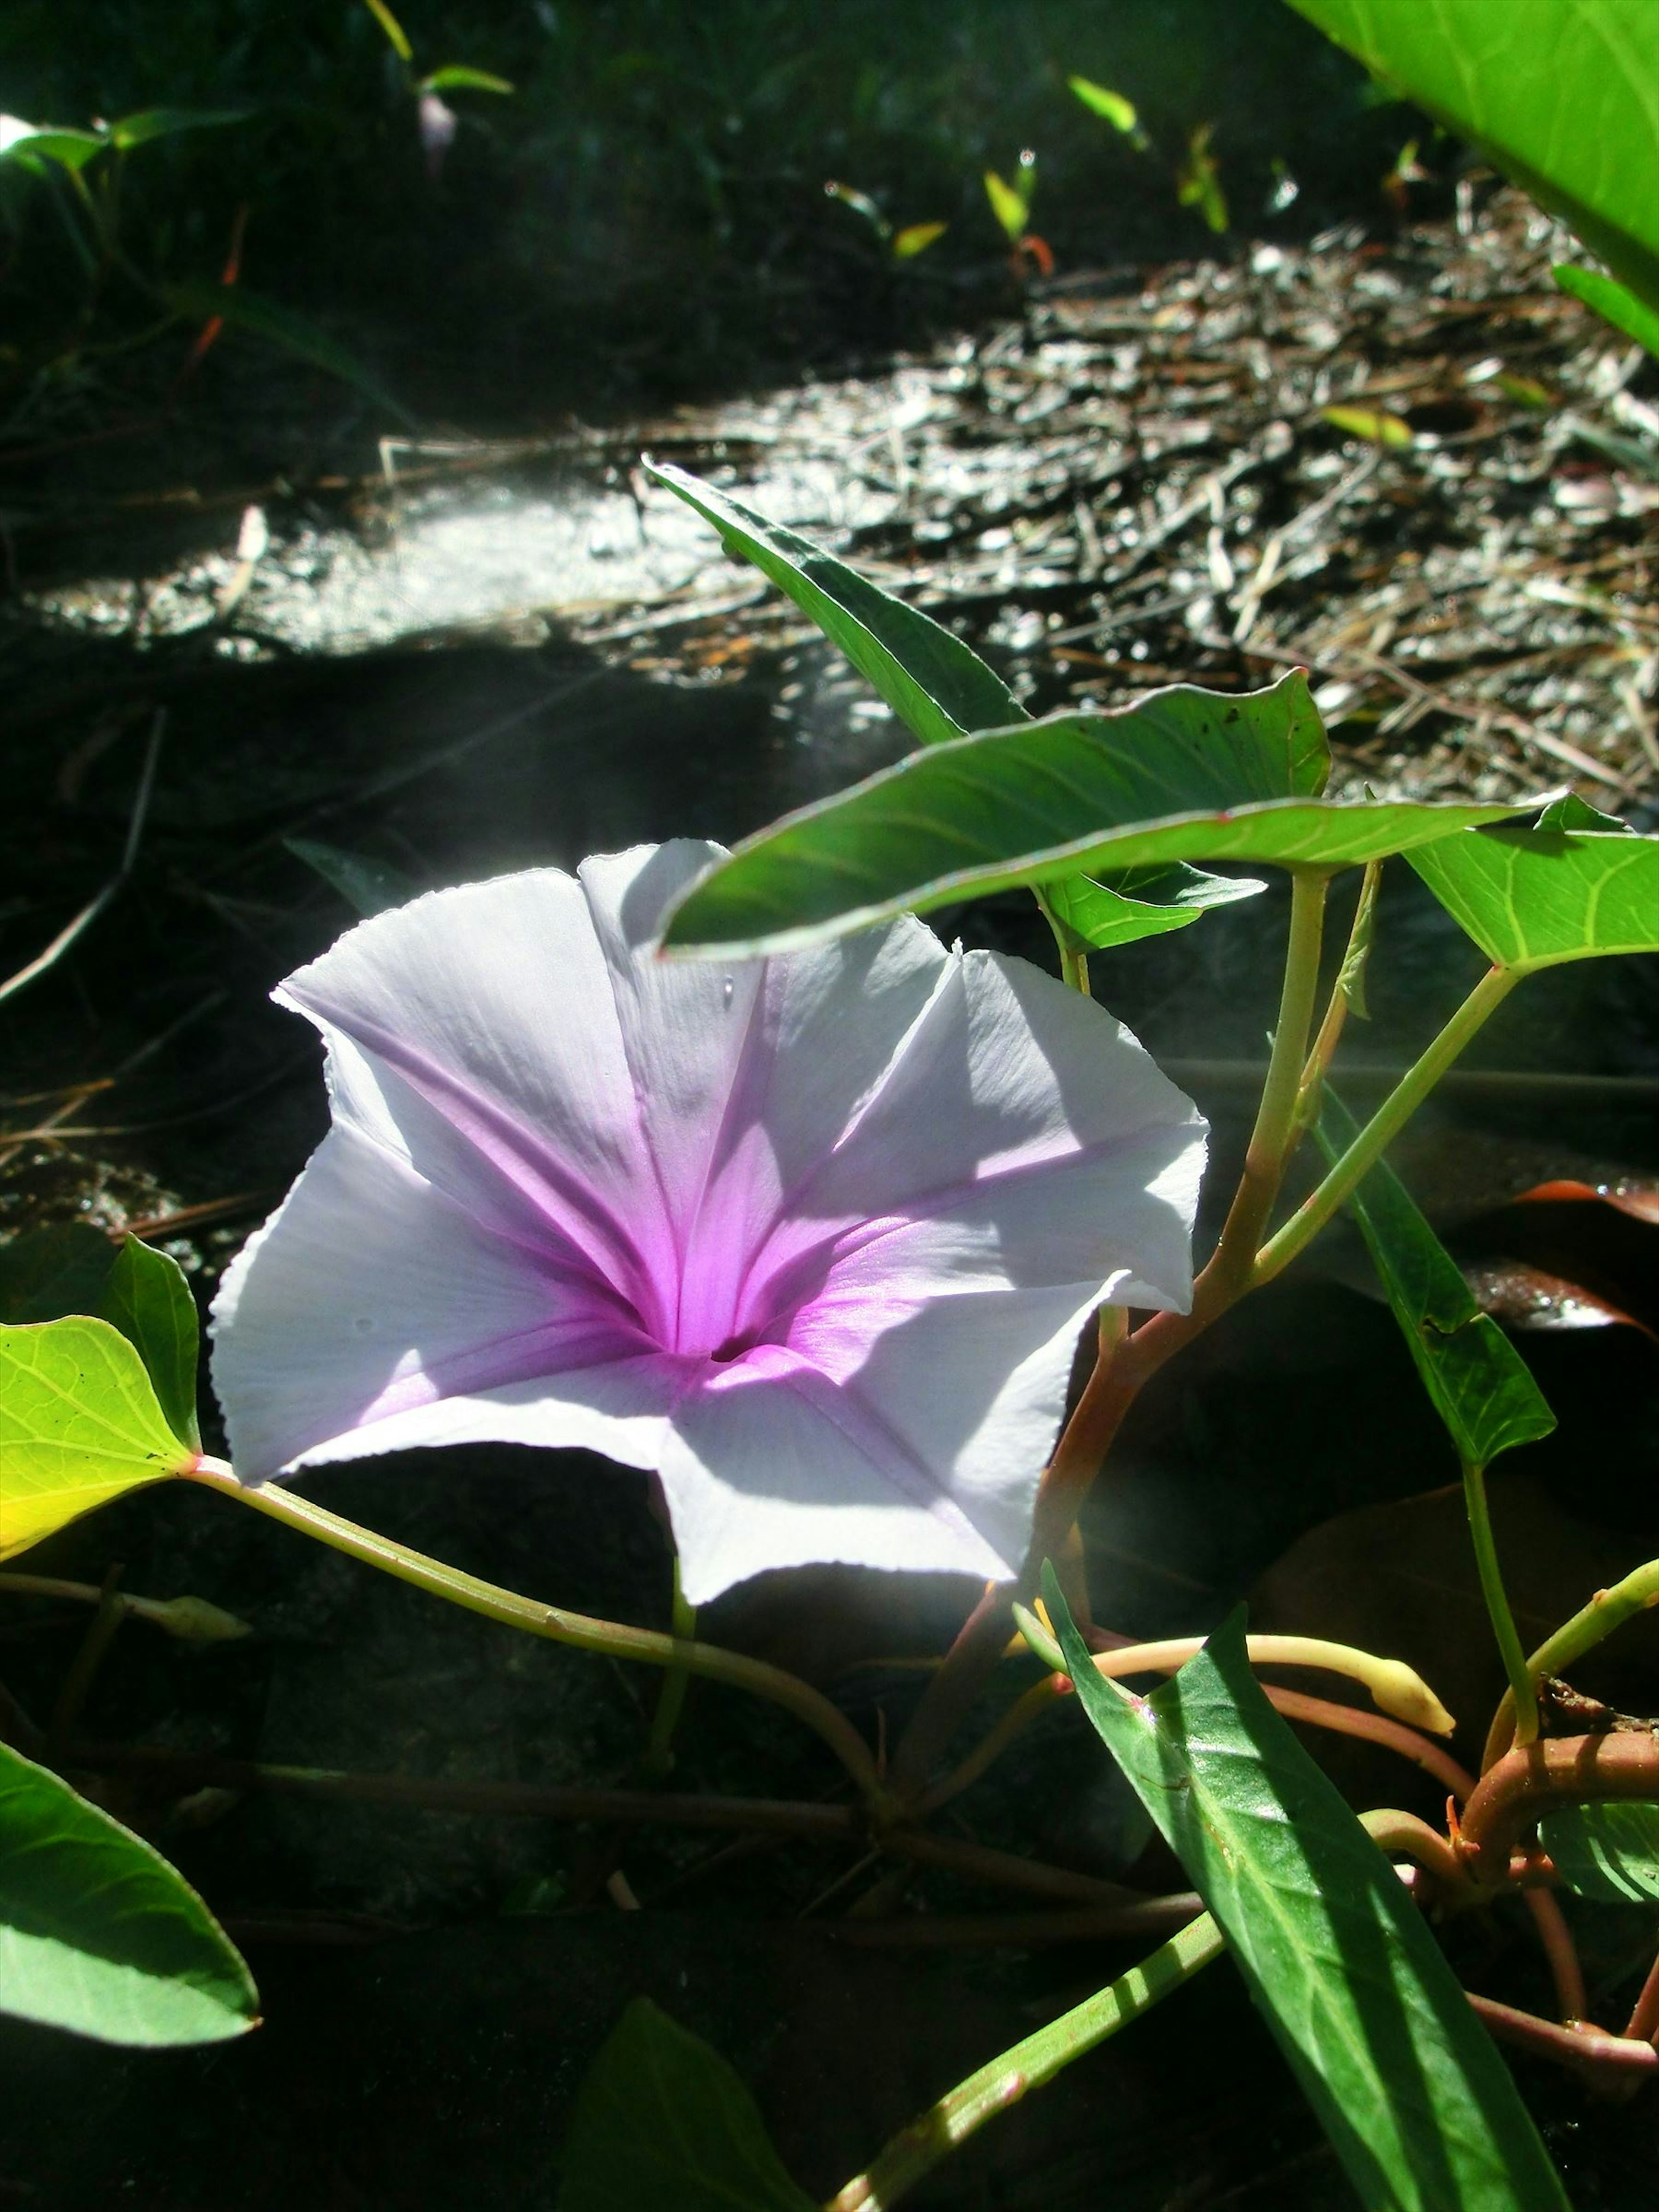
(812, 1236)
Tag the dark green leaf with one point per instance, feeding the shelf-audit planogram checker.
(1481, 1388)
(937, 686)
(1532, 898)
(663, 2125)
(1615, 302)
(1410, 2089)
(148, 1299)
(238, 309)
(456, 77)
(48, 1272)
(368, 886)
(167, 122)
(1564, 95)
(1607, 1852)
(98, 1933)
(1141, 903)
(1183, 775)
(79, 1424)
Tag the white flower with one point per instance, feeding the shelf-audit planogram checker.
(812, 1236)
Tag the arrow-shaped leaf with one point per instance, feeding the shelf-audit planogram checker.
(1410, 2089)
(79, 1424)
(1481, 1388)
(1534, 897)
(98, 1933)
(663, 2125)
(1183, 775)
(938, 686)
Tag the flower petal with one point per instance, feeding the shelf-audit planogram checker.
(372, 1313)
(488, 1050)
(1023, 1137)
(926, 1459)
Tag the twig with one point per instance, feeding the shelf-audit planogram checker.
(73, 931)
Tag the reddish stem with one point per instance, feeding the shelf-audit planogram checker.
(1571, 2000)
(1644, 2020)
(1528, 1780)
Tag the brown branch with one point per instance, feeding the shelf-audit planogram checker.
(1528, 1780)
(186, 1770)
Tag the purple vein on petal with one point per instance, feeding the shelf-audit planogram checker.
(582, 1226)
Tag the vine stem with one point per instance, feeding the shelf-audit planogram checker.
(1522, 1695)
(1528, 1782)
(917, 2150)
(580, 1631)
(1385, 1125)
(1609, 1609)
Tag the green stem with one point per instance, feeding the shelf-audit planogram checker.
(659, 1757)
(1521, 1691)
(1347, 993)
(917, 2150)
(1609, 1609)
(577, 1630)
(1384, 1125)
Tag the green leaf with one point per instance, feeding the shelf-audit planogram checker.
(1183, 775)
(98, 1933)
(1141, 903)
(1610, 1852)
(1563, 94)
(79, 1424)
(456, 77)
(32, 145)
(393, 29)
(148, 1299)
(240, 309)
(48, 1272)
(150, 123)
(1008, 204)
(1118, 111)
(937, 686)
(1534, 897)
(1417, 2103)
(1377, 428)
(368, 886)
(663, 2125)
(1615, 302)
(916, 238)
(1480, 1386)
(1198, 181)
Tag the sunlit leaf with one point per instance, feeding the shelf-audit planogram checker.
(1609, 1852)
(32, 145)
(1100, 100)
(130, 130)
(1480, 1386)
(456, 77)
(937, 686)
(367, 886)
(148, 1299)
(1534, 897)
(1141, 903)
(1008, 204)
(663, 2125)
(1371, 424)
(1183, 775)
(916, 238)
(1615, 302)
(1563, 94)
(393, 29)
(240, 309)
(1417, 2105)
(98, 1933)
(79, 1425)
